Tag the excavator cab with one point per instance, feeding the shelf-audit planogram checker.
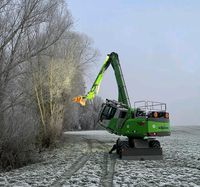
(108, 112)
(112, 115)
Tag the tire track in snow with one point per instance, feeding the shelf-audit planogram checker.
(101, 145)
(108, 171)
(76, 166)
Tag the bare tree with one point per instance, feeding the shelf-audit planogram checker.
(89, 114)
(56, 79)
(80, 51)
(42, 66)
(28, 28)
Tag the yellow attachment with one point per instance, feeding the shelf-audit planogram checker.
(80, 100)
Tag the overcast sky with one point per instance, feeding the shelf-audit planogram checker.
(158, 43)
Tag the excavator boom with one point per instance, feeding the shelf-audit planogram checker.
(123, 97)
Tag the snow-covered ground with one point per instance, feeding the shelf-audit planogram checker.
(84, 161)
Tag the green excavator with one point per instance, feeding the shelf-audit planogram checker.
(140, 124)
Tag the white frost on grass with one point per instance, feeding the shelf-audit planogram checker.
(44, 173)
(90, 174)
(180, 166)
(100, 135)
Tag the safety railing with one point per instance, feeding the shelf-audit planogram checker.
(150, 105)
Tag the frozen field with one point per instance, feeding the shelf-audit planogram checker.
(84, 161)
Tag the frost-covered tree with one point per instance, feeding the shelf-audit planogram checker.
(89, 114)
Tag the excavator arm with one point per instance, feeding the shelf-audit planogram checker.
(95, 87)
(122, 91)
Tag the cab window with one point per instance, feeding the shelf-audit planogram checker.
(108, 112)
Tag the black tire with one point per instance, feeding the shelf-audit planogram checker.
(117, 142)
(131, 142)
(118, 145)
(117, 151)
(120, 153)
(154, 144)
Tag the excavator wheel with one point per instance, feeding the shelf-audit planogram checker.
(154, 144)
(131, 142)
(120, 153)
(118, 146)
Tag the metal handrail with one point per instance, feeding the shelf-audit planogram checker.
(151, 105)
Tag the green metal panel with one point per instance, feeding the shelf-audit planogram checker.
(155, 126)
(138, 127)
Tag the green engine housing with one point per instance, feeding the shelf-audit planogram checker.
(147, 120)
